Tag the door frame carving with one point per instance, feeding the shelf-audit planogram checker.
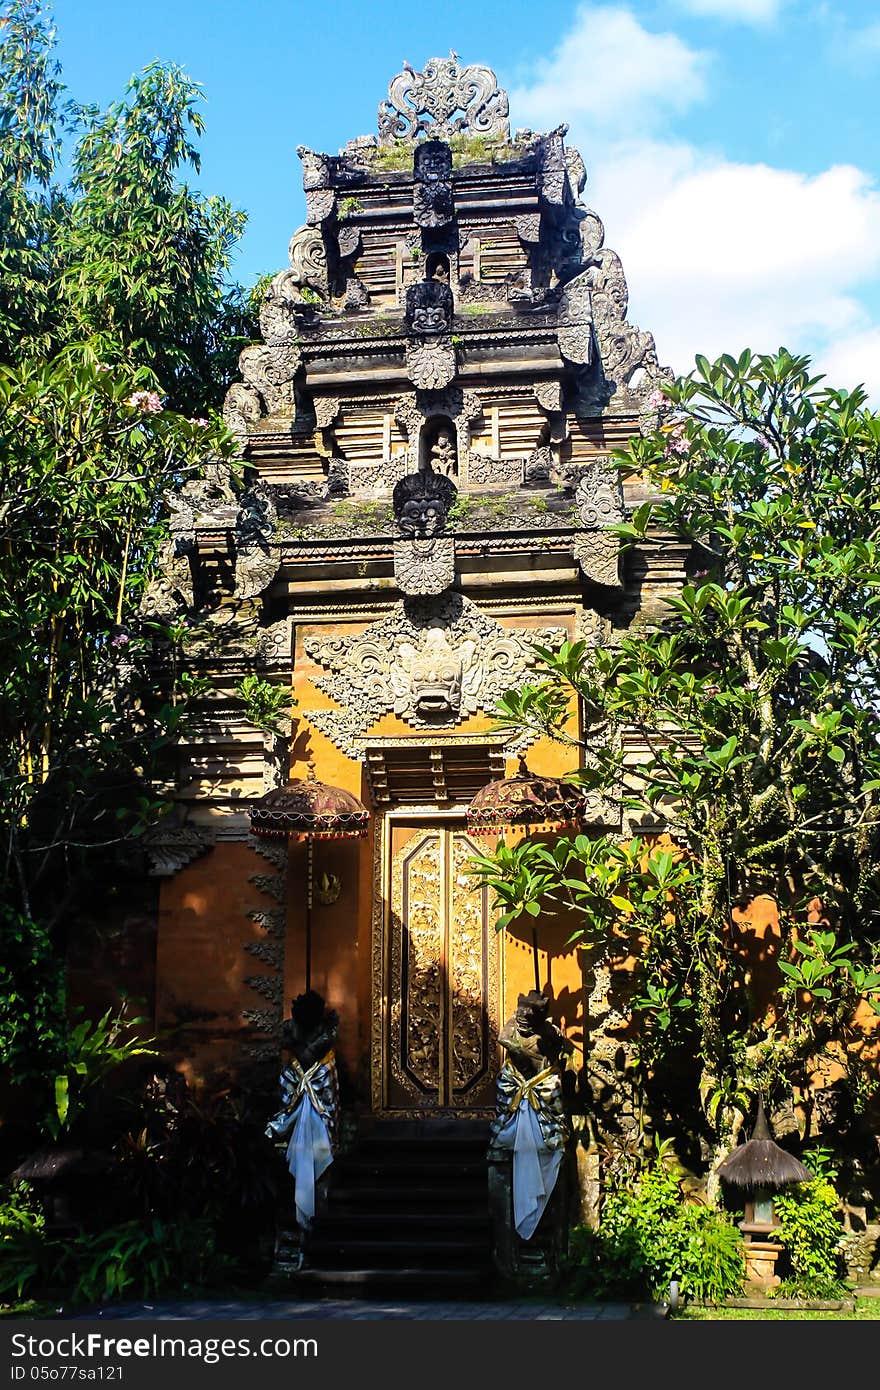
(385, 819)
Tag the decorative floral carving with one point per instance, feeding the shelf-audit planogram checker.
(528, 227)
(553, 175)
(548, 394)
(424, 566)
(426, 103)
(430, 363)
(598, 496)
(326, 411)
(170, 845)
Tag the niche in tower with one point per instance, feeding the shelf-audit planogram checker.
(438, 449)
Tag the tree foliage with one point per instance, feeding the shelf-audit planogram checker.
(755, 710)
(118, 327)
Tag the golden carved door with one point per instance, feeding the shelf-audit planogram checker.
(441, 977)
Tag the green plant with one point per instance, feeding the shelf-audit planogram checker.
(145, 1258)
(811, 1232)
(23, 1259)
(93, 1048)
(647, 1236)
(348, 206)
(265, 704)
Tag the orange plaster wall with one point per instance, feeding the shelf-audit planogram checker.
(201, 962)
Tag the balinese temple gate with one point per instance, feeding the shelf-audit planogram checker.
(424, 433)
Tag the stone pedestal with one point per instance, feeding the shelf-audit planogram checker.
(534, 1263)
(761, 1255)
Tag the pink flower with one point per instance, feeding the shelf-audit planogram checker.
(657, 400)
(120, 640)
(146, 401)
(199, 421)
(103, 367)
(676, 442)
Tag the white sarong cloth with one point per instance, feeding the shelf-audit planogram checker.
(531, 1123)
(308, 1121)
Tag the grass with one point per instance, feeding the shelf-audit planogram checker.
(861, 1309)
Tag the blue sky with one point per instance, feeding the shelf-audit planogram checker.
(731, 145)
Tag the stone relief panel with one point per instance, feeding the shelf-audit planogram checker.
(432, 662)
(442, 100)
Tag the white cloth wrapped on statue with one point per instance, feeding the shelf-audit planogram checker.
(307, 1119)
(530, 1120)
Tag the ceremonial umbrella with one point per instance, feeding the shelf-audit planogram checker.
(761, 1167)
(305, 808)
(531, 802)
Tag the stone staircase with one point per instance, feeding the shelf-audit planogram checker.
(406, 1213)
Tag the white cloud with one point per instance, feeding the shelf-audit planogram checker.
(854, 361)
(609, 68)
(742, 11)
(719, 255)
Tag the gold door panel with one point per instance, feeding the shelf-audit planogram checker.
(439, 984)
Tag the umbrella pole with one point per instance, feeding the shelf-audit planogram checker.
(309, 886)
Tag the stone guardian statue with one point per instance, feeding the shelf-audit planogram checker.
(309, 1115)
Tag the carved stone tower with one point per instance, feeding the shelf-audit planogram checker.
(424, 434)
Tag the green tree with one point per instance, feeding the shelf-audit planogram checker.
(755, 706)
(118, 328)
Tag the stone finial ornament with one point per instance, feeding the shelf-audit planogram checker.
(443, 100)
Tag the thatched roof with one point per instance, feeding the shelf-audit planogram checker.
(761, 1162)
(48, 1165)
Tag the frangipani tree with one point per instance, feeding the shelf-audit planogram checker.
(756, 707)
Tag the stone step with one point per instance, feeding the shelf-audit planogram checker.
(417, 1284)
(436, 1197)
(395, 1254)
(358, 1222)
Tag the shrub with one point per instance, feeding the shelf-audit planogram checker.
(812, 1234)
(647, 1236)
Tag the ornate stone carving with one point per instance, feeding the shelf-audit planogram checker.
(171, 588)
(577, 171)
(599, 503)
(349, 240)
(170, 845)
(317, 185)
(308, 261)
(553, 175)
(426, 103)
(384, 669)
(591, 234)
(432, 184)
(241, 408)
(548, 394)
(575, 331)
(538, 465)
(626, 352)
(598, 555)
(421, 502)
(430, 363)
(528, 227)
(326, 411)
(424, 566)
(429, 308)
(269, 370)
(598, 496)
(484, 470)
